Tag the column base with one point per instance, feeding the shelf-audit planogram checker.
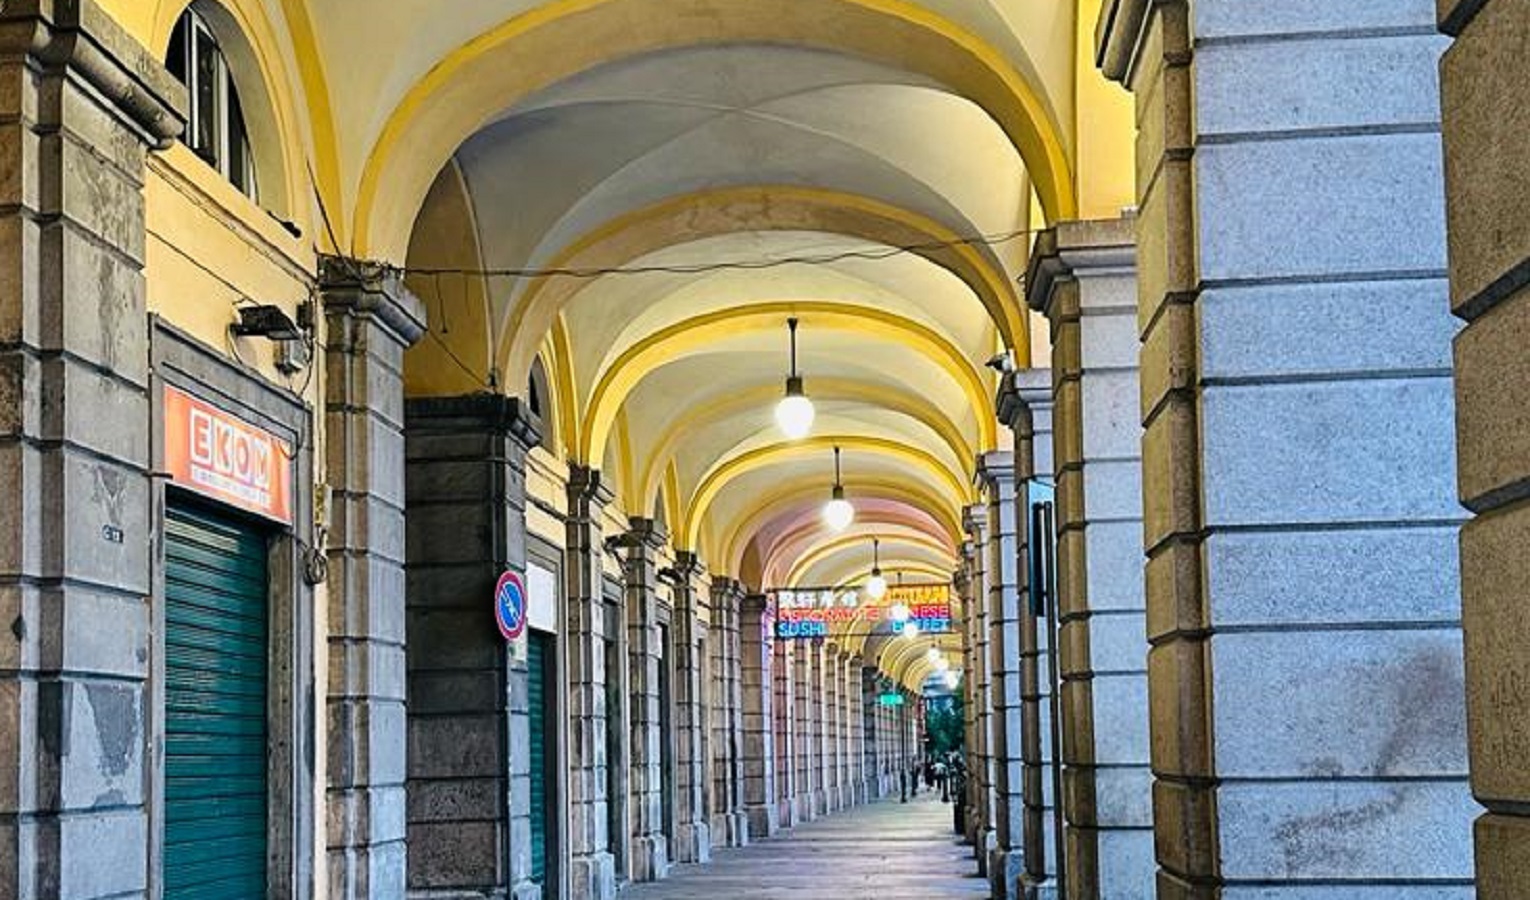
(650, 858)
(804, 808)
(984, 842)
(592, 877)
(1005, 868)
(738, 829)
(1037, 890)
(526, 890)
(821, 806)
(693, 843)
(761, 821)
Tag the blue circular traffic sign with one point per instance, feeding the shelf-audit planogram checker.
(510, 606)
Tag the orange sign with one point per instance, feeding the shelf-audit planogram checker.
(225, 458)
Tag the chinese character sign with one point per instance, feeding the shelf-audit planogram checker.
(810, 613)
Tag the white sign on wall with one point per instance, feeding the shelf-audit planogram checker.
(542, 594)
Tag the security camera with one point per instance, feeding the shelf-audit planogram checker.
(1002, 362)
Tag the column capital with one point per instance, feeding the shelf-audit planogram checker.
(688, 565)
(492, 413)
(1071, 249)
(586, 484)
(363, 288)
(644, 533)
(996, 469)
(79, 36)
(1022, 391)
(975, 519)
(731, 589)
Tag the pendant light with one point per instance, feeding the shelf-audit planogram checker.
(876, 585)
(838, 513)
(899, 612)
(795, 411)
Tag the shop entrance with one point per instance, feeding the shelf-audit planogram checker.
(216, 682)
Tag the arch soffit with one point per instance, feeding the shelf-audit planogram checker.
(826, 389)
(506, 65)
(619, 379)
(957, 485)
(789, 500)
(720, 211)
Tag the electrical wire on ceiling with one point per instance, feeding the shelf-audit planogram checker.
(809, 259)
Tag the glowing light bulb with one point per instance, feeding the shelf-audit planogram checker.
(943, 664)
(899, 612)
(953, 678)
(876, 586)
(795, 415)
(910, 630)
(838, 513)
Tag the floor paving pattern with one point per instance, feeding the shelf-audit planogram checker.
(885, 851)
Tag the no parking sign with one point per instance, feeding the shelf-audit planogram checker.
(510, 606)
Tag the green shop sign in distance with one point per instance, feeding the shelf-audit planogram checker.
(891, 699)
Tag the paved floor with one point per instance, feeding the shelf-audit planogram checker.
(886, 851)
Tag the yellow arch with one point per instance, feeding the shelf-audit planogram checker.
(562, 363)
(549, 43)
(708, 213)
(721, 474)
(669, 343)
(760, 396)
(944, 510)
(303, 121)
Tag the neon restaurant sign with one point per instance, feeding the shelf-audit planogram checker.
(816, 612)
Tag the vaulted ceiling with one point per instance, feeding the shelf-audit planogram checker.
(870, 167)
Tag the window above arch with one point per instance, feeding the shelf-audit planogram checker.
(216, 128)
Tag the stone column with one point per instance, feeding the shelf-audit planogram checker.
(1025, 404)
(1483, 80)
(828, 727)
(784, 724)
(759, 749)
(650, 846)
(728, 723)
(871, 736)
(693, 838)
(1082, 277)
(370, 320)
(996, 472)
(805, 748)
(468, 777)
(1301, 519)
(82, 107)
(962, 585)
(981, 773)
(592, 874)
(849, 717)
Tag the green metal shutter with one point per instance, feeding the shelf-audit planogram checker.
(216, 655)
(538, 662)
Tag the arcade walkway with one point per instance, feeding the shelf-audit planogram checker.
(886, 851)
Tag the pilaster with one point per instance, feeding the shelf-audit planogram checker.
(371, 318)
(805, 688)
(592, 862)
(81, 106)
(649, 856)
(468, 783)
(1025, 404)
(693, 838)
(996, 476)
(760, 750)
(1485, 129)
(1082, 277)
(980, 772)
(1291, 274)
